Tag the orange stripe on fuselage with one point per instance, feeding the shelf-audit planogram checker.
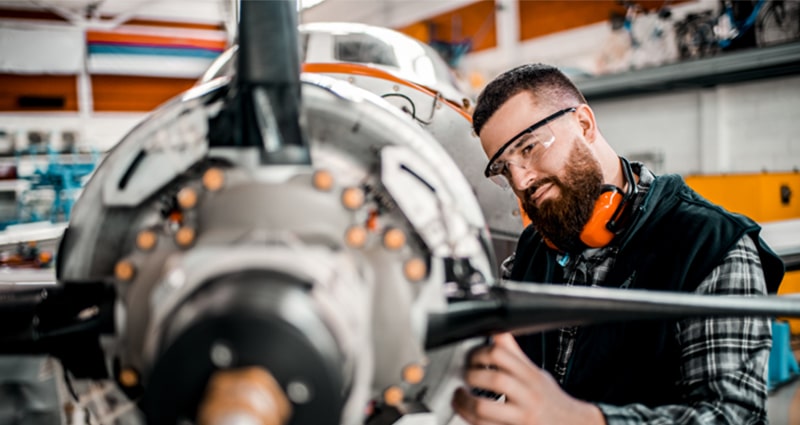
(367, 71)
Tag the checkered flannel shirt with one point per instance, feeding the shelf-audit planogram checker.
(723, 360)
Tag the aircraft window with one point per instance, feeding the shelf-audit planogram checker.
(362, 48)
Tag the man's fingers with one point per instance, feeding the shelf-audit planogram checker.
(506, 340)
(497, 382)
(482, 411)
(499, 356)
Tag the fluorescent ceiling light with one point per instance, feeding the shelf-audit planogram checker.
(306, 4)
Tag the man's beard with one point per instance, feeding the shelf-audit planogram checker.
(562, 219)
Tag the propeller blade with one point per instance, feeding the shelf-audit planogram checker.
(532, 307)
(36, 318)
(264, 110)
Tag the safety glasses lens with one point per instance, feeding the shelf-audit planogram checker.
(501, 181)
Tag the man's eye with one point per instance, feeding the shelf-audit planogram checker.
(528, 148)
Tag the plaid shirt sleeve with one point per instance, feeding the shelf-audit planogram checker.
(507, 266)
(723, 360)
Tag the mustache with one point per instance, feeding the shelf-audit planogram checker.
(539, 183)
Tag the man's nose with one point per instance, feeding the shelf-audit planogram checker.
(521, 177)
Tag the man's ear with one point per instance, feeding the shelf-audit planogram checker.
(587, 122)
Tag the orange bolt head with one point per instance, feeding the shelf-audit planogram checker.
(323, 180)
(146, 240)
(213, 179)
(356, 237)
(415, 269)
(393, 395)
(184, 236)
(128, 377)
(394, 239)
(413, 373)
(353, 198)
(187, 198)
(124, 270)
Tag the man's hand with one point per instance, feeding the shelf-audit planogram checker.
(532, 396)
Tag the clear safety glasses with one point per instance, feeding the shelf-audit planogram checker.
(523, 149)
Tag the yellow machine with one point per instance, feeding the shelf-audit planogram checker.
(768, 198)
(764, 197)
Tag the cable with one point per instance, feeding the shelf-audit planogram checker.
(411, 102)
(413, 111)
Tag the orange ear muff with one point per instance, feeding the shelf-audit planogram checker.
(595, 233)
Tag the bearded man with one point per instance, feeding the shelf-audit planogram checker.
(598, 220)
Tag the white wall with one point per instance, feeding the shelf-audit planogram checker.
(40, 48)
(665, 125)
(737, 128)
(761, 119)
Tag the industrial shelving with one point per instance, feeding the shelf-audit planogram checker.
(724, 68)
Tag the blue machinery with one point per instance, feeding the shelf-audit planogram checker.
(63, 176)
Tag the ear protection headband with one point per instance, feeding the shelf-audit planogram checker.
(608, 210)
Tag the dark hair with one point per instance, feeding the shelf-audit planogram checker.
(544, 81)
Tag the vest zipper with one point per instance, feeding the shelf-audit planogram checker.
(571, 357)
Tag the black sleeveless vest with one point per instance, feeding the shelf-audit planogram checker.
(675, 240)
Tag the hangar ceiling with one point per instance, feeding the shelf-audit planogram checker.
(390, 13)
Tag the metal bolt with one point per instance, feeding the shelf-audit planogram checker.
(221, 355)
(298, 392)
(176, 278)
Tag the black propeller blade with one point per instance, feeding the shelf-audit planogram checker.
(530, 307)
